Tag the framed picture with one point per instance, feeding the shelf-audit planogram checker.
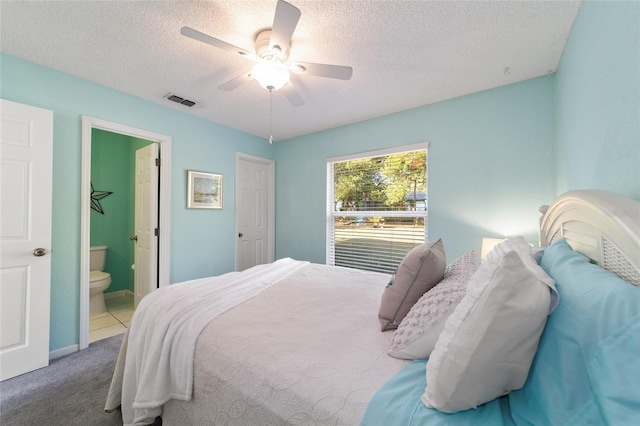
(204, 190)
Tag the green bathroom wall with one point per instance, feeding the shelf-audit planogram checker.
(110, 172)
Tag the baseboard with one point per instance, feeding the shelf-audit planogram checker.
(75, 348)
(119, 293)
(63, 351)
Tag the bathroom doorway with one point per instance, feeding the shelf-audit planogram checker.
(109, 177)
(123, 220)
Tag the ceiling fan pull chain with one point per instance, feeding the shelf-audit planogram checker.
(270, 116)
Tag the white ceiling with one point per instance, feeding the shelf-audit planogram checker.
(404, 53)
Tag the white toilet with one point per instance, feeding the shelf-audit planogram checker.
(99, 280)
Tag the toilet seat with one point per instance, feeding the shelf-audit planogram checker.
(97, 276)
(99, 279)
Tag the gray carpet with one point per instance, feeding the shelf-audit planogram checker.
(72, 390)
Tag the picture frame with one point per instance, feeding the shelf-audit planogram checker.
(204, 190)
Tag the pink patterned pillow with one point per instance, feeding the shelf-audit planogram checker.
(416, 336)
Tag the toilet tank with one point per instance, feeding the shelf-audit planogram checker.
(97, 258)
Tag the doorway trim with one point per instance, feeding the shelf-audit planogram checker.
(164, 221)
(271, 198)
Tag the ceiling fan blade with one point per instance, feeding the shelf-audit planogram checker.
(340, 72)
(292, 95)
(235, 82)
(284, 24)
(205, 38)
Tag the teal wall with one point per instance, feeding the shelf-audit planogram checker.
(491, 165)
(113, 169)
(497, 155)
(598, 100)
(201, 241)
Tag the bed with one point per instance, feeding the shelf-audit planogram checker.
(299, 343)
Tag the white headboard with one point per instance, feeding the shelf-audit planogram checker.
(602, 225)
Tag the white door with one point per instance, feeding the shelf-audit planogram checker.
(254, 211)
(26, 149)
(146, 222)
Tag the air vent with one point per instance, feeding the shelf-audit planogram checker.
(180, 100)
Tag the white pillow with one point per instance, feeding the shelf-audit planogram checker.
(489, 342)
(528, 255)
(416, 336)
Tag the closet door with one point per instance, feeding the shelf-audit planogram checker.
(254, 211)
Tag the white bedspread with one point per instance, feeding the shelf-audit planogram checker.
(160, 343)
(307, 351)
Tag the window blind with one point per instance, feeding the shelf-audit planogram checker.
(376, 209)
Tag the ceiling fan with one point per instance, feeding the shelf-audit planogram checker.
(272, 70)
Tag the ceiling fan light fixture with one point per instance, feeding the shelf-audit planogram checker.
(271, 75)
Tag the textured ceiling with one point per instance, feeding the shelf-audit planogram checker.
(404, 53)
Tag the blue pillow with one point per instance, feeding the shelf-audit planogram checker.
(398, 403)
(587, 367)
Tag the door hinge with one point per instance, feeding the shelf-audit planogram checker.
(156, 232)
(157, 162)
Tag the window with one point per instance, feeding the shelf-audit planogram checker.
(376, 207)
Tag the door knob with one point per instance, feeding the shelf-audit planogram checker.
(39, 252)
(239, 234)
(134, 238)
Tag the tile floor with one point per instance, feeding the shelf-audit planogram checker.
(114, 321)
